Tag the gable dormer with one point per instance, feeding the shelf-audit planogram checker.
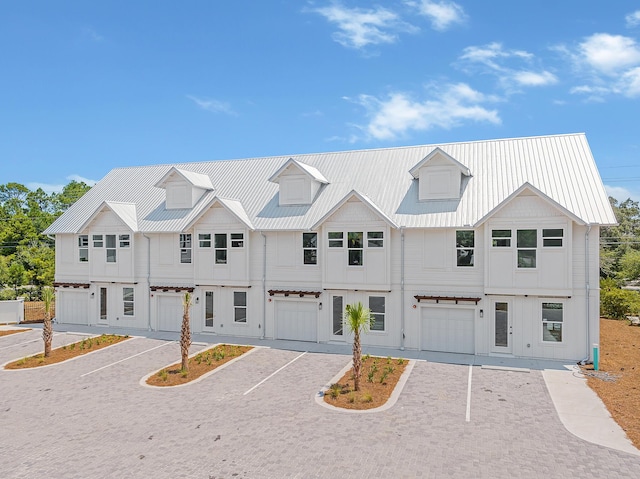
(299, 183)
(183, 188)
(439, 176)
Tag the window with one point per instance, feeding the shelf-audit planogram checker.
(336, 239)
(354, 245)
(465, 241)
(527, 244)
(552, 322)
(310, 248)
(98, 242)
(185, 248)
(204, 240)
(376, 305)
(127, 299)
(237, 240)
(208, 309)
(552, 237)
(375, 239)
(501, 238)
(336, 315)
(220, 243)
(125, 241)
(240, 306)
(83, 248)
(111, 248)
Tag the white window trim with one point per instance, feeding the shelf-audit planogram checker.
(183, 238)
(543, 323)
(361, 249)
(245, 307)
(202, 239)
(527, 248)
(113, 248)
(384, 330)
(561, 238)
(231, 240)
(305, 249)
(132, 301)
(465, 248)
(225, 249)
(82, 247)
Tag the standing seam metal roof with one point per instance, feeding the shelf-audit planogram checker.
(559, 166)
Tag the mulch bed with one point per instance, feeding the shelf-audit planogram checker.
(200, 364)
(379, 378)
(67, 352)
(12, 331)
(617, 380)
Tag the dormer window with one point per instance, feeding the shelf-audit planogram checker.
(439, 176)
(183, 188)
(299, 183)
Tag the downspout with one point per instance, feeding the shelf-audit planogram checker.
(402, 288)
(148, 281)
(264, 283)
(587, 289)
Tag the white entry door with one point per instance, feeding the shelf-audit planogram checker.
(502, 327)
(297, 320)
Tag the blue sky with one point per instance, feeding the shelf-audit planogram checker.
(89, 86)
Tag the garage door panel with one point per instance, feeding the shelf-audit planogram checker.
(448, 329)
(169, 313)
(296, 320)
(72, 307)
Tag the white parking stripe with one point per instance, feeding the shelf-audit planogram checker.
(26, 342)
(468, 416)
(125, 359)
(273, 374)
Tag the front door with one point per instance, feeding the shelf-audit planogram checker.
(103, 317)
(208, 311)
(502, 327)
(337, 323)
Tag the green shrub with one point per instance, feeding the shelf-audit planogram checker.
(617, 303)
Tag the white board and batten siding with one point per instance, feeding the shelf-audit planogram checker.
(72, 306)
(448, 329)
(296, 320)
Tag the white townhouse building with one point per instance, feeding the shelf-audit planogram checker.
(483, 247)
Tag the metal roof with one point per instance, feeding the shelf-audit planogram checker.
(561, 168)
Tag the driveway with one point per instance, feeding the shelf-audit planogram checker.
(90, 418)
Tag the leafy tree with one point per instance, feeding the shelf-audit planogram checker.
(615, 241)
(630, 265)
(185, 332)
(16, 275)
(48, 296)
(358, 319)
(69, 195)
(39, 262)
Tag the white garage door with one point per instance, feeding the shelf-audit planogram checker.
(448, 329)
(169, 313)
(72, 307)
(296, 320)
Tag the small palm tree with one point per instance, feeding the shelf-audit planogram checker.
(185, 332)
(48, 297)
(358, 319)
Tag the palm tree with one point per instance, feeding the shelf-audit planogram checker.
(358, 319)
(185, 332)
(48, 296)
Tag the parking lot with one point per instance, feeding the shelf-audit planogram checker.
(91, 418)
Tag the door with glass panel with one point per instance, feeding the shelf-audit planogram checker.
(502, 337)
(103, 305)
(337, 310)
(209, 311)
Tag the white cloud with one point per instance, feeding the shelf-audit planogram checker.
(91, 34)
(449, 106)
(493, 58)
(609, 54)
(359, 27)
(214, 106)
(442, 14)
(620, 193)
(633, 19)
(55, 188)
(610, 65)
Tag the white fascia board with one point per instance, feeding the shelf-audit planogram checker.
(364, 199)
(310, 171)
(439, 152)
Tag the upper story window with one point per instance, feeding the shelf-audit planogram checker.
(98, 241)
(110, 241)
(204, 240)
(185, 248)
(336, 239)
(237, 240)
(354, 245)
(552, 320)
(501, 238)
(552, 237)
(128, 301)
(310, 248)
(125, 241)
(83, 248)
(375, 239)
(377, 307)
(220, 244)
(527, 248)
(465, 247)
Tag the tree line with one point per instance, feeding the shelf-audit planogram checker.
(27, 257)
